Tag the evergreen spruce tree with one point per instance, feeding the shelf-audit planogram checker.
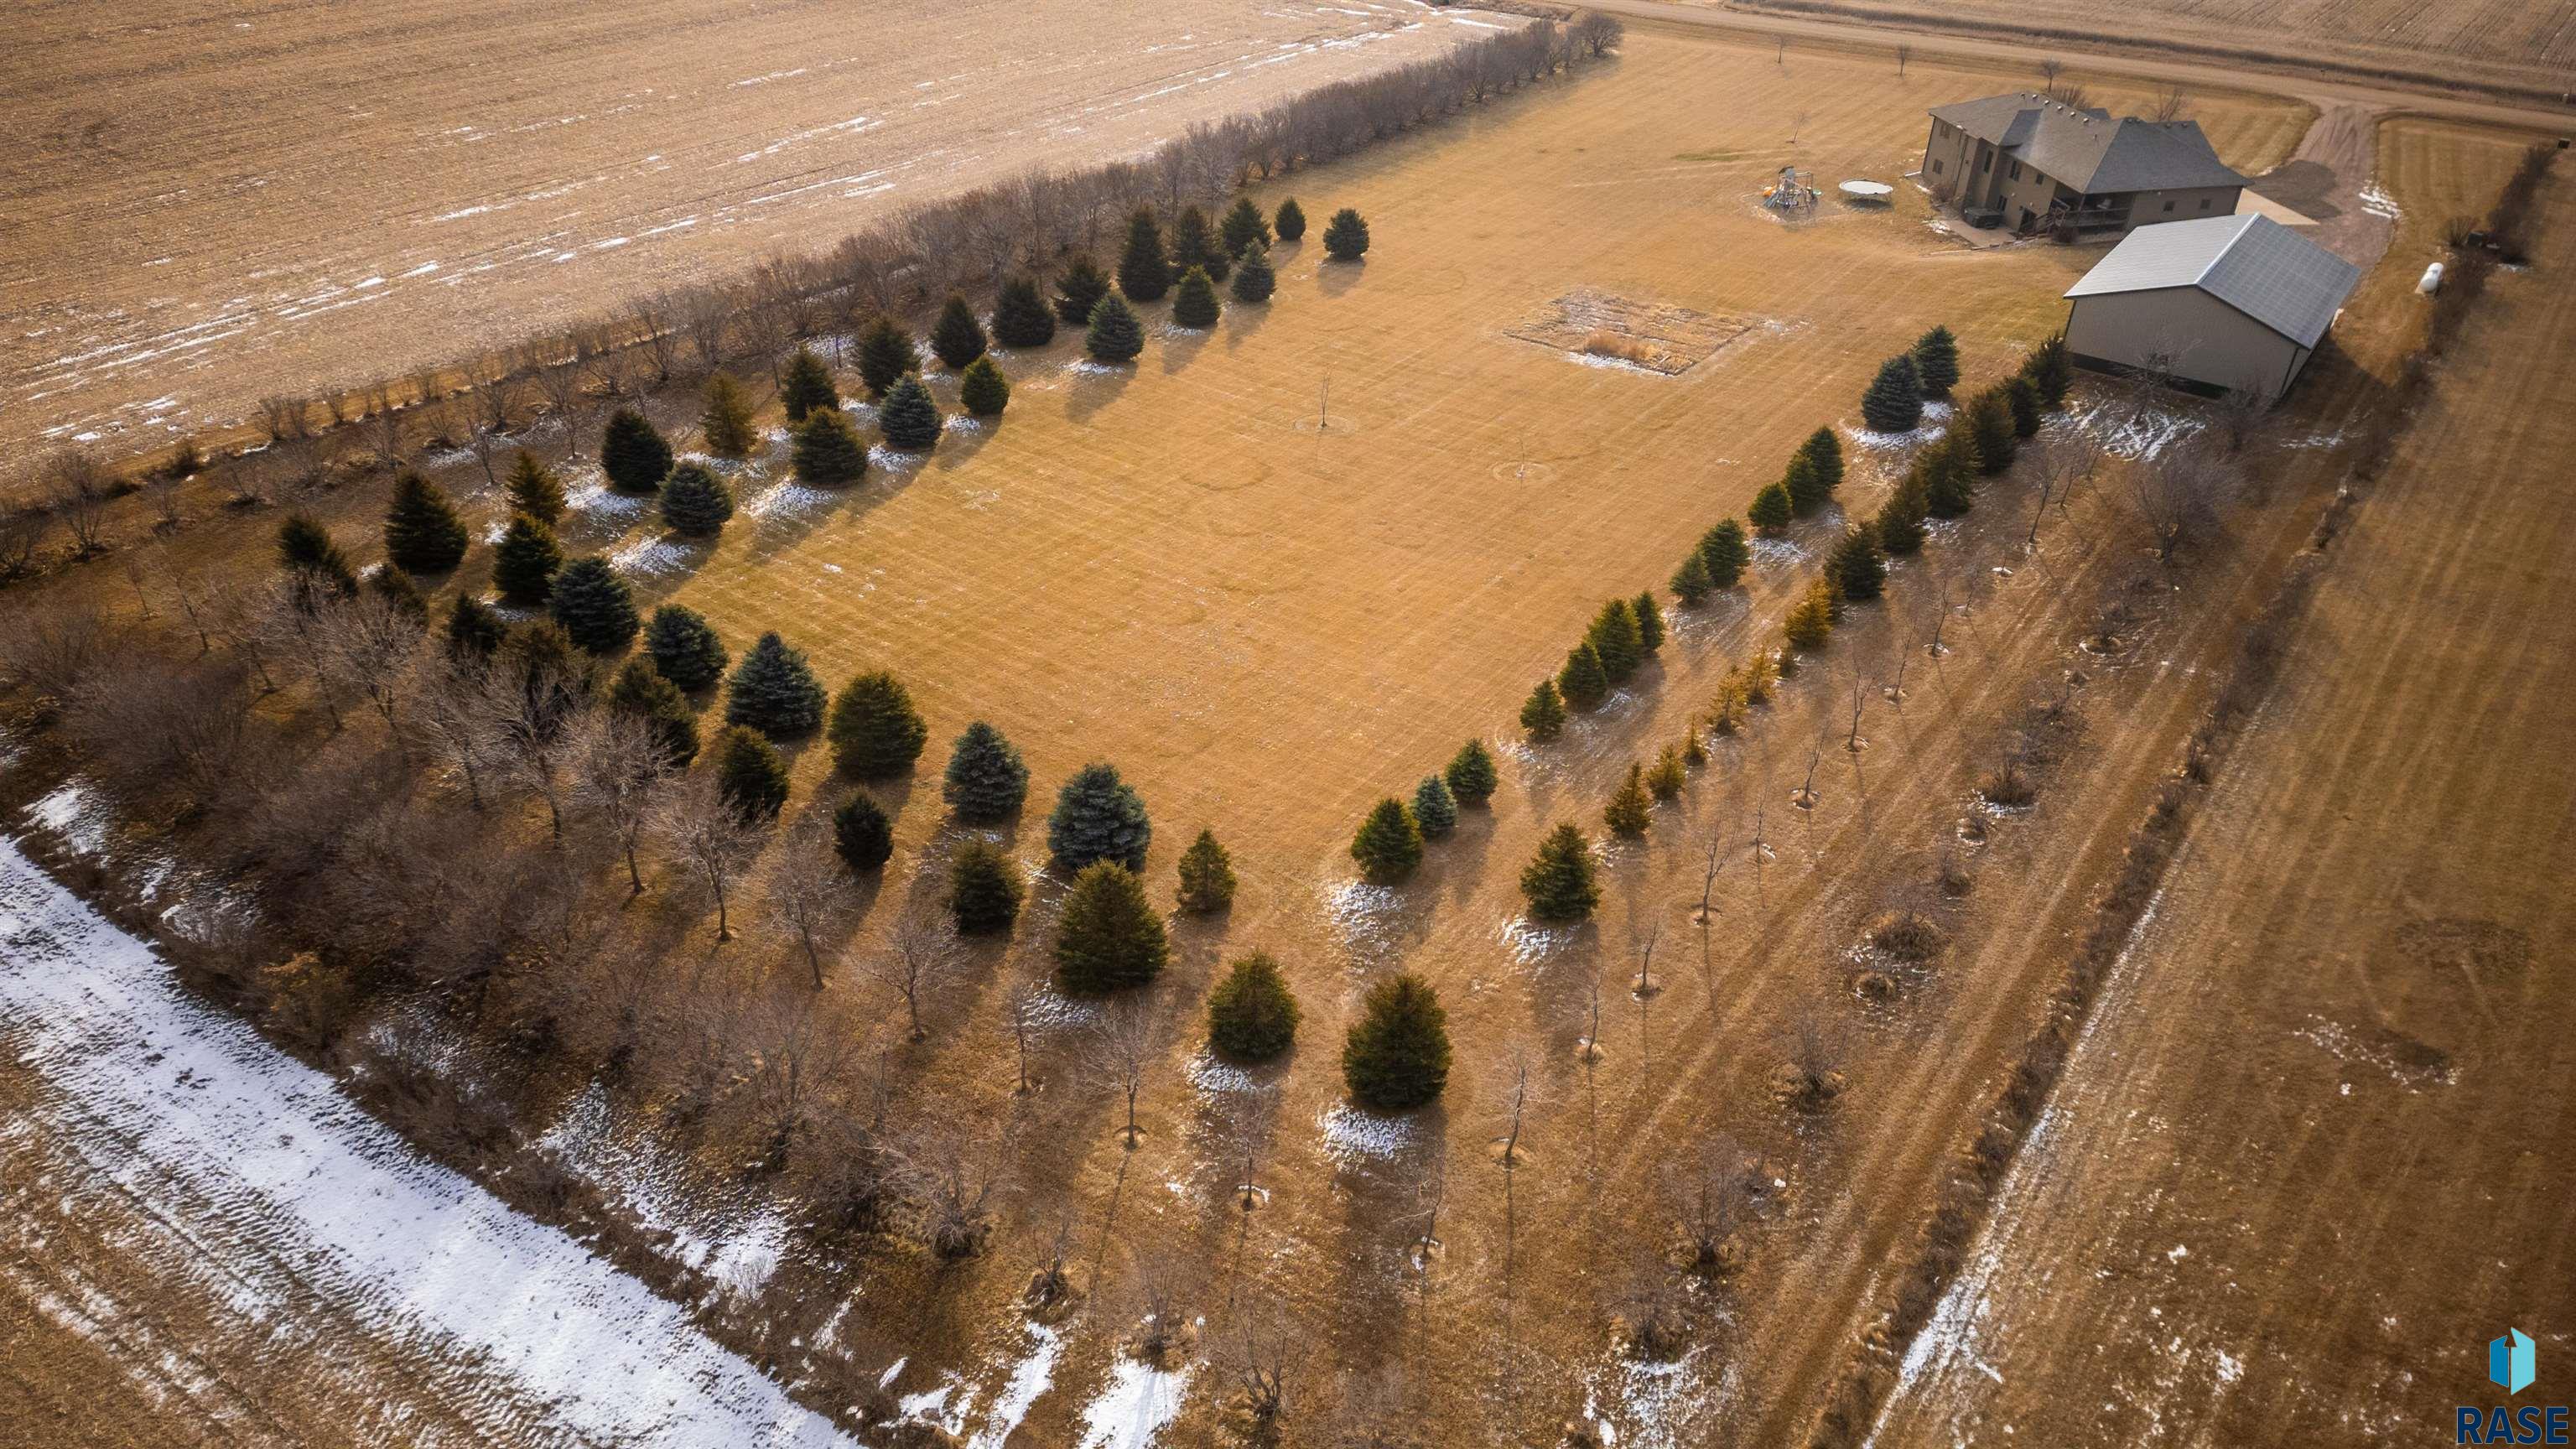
(1949, 467)
(684, 647)
(1396, 1057)
(1078, 292)
(1108, 935)
(909, 419)
(1195, 304)
(1098, 817)
(1900, 520)
(423, 535)
(2021, 395)
(534, 490)
(885, 355)
(1346, 237)
(1254, 278)
(1291, 220)
(1669, 774)
(594, 606)
(1242, 227)
(1389, 843)
(1543, 713)
(695, 502)
(399, 589)
(1799, 481)
(558, 676)
(806, 387)
(1116, 336)
(1559, 883)
(2051, 370)
(1252, 1017)
(306, 552)
(1726, 552)
(1617, 639)
(984, 888)
(1894, 401)
(773, 690)
(642, 693)
(750, 774)
(875, 730)
(1194, 244)
(473, 630)
(1990, 425)
(1582, 682)
(986, 781)
(1810, 621)
(1435, 810)
(1856, 566)
(1207, 876)
(1020, 315)
(726, 422)
(1471, 776)
(1936, 362)
(524, 564)
(1650, 620)
(632, 453)
(957, 338)
(1629, 811)
(828, 452)
(1823, 451)
(1771, 509)
(862, 835)
(983, 391)
(1144, 271)
(1691, 582)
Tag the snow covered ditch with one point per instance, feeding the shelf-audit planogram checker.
(272, 1173)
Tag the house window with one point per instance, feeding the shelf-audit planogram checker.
(1985, 161)
(2168, 206)
(2204, 203)
(1936, 168)
(2016, 171)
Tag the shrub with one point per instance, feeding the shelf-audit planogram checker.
(861, 834)
(1936, 362)
(1823, 451)
(1894, 401)
(1908, 936)
(885, 355)
(1582, 681)
(524, 564)
(1435, 810)
(726, 420)
(1771, 509)
(1098, 817)
(1559, 882)
(1252, 1017)
(957, 338)
(1810, 621)
(695, 502)
(1207, 875)
(1194, 244)
(401, 590)
(1243, 227)
(984, 888)
(983, 391)
(1666, 778)
(1629, 811)
(305, 551)
(1108, 936)
(684, 647)
(642, 693)
(632, 453)
(423, 535)
(1726, 553)
(1470, 776)
(1990, 427)
(909, 419)
(1617, 638)
(1144, 271)
(594, 606)
(986, 781)
(773, 690)
(1389, 843)
(1899, 525)
(1290, 222)
(1397, 1054)
(1858, 570)
(875, 730)
(1346, 237)
(1543, 713)
(1020, 315)
(1078, 292)
(534, 490)
(750, 774)
(1650, 620)
(2008, 785)
(473, 630)
(805, 387)
(1255, 280)
(828, 452)
(2021, 396)
(1195, 304)
(1115, 336)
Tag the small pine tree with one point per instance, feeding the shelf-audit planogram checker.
(695, 502)
(1936, 362)
(1616, 637)
(875, 730)
(1810, 621)
(401, 590)
(1098, 817)
(542, 651)
(806, 387)
(1471, 776)
(885, 355)
(1949, 471)
(1108, 936)
(524, 564)
(750, 774)
(726, 422)
(1195, 304)
(1397, 1055)
(1346, 237)
(1990, 425)
(1665, 778)
(1243, 227)
(1856, 566)
(1771, 509)
(1726, 551)
(1559, 883)
(1255, 280)
(1629, 811)
(1079, 291)
(1194, 244)
(984, 888)
(594, 605)
(1389, 843)
(632, 453)
(2021, 396)
(473, 630)
(1894, 401)
(1252, 1017)
(1144, 270)
(1900, 523)
(986, 781)
(773, 690)
(1691, 582)
(1806, 493)
(423, 535)
(1207, 876)
(1582, 681)
(2051, 370)
(1543, 713)
(306, 552)
(684, 647)
(1020, 315)
(909, 419)
(642, 693)
(828, 452)
(1435, 810)
(983, 391)
(862, 835)
(1823, 451)
(957, 338)
(1650, 620)
(1290, 221)
(1115, 336)
(534, 490)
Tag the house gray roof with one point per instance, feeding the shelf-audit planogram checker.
(2085, 150)
(2250, 262)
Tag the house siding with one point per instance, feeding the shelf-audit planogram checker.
(1951, 167)
(2215, 346)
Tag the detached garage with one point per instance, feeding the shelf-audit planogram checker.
(2221, 304)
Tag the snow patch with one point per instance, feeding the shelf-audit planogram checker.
(1353, 1136)
(1132, 1408)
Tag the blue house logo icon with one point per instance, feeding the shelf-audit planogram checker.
(2509, 1361)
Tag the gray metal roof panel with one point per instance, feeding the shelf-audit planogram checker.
(2252, 263)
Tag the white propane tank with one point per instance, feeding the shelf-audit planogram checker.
(2432, 280)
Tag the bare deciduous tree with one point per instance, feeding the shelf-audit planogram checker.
(920, 958)
(811, 894)
(622, 775)
(800, 1051)
(1124, 1042)
(78, 488)
(2179, 494)
(366, 647)
(709, 836)
(951, 1184)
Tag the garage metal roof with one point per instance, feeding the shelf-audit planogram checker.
(2251, 262)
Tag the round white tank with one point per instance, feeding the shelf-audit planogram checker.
(2432, 280)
